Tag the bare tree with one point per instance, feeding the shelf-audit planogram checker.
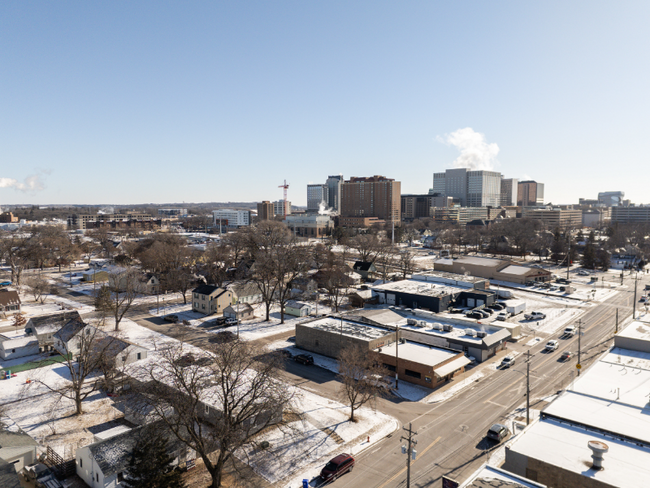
(84, 353)
(367, 245)
(406, 263)
(14, 250)
(39, 287)
(361, 378)
(118, 294)
(214, 401)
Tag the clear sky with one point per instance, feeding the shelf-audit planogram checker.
(136, 102)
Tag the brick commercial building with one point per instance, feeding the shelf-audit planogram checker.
(375, 196)
(265, 210)
(530, 193)
(492, 269)
(113, 221)
(563, 218)
(422, 364)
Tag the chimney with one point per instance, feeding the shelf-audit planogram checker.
(598, 449)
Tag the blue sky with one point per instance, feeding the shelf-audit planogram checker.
(136, 102)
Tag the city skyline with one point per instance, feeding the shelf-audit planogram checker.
(128, 103)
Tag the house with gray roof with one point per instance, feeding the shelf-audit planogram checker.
(209, 299)
(9, 302)
(45, 326)
(66, 340)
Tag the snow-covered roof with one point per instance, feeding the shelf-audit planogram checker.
(347, 328)
(636, 330)
(17, 342)
(514, 269)
(107, 434)
(490, 477)
(417, 287)
(418, 353)
(565, 446)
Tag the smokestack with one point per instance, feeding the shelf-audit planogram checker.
(598, 449)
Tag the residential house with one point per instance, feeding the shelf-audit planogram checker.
(210, 299)
(239, 311)
(102, 464)
(18, 449)
(365, 269)
(45, 326)
(359, 298)
(67, 340)
(14, 346)
(297, 308)
(94, 276)
(245, 292)
(150, 284)
(9, 302)
(307, 285)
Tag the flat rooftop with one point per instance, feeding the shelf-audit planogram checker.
(419, 353)
(417, 287)
(443, 275)
(612, 395)
(491, 477)
(479, 261)
(565, 446)
(348, 328)
(514, 269)
(636, 330)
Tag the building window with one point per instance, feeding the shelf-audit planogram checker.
(97, 477)
(139, 355)
(120, 477)
(389, 367)
(427, 379)
(413, 374)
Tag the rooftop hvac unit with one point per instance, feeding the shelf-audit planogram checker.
(411, 321)
(447, 327)
(437, 326)
(470, 332)
(481, 334)
(423, 323)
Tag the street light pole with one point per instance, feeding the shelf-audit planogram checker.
(528, 387)
(579, 365)
(636, 279)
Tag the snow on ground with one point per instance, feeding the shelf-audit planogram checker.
(305, 445)
(51, 305)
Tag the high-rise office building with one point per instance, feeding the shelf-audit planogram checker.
(470, 188)
(375, 196)
(530, 194)
(317, 195)
(278, 208)
(265, 210)
(334, 192)
(509, 188)
(611, 198)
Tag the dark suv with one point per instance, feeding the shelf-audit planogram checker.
(497, 432)
(341, 464)
(304, 359)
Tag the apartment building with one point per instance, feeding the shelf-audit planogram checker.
(128, 220)
(375, 196)
(230, 218)
(265, 210)
(562, 218)
(509, 188)
(278, 208)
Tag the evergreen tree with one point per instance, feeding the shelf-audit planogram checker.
(589, 256)
(150, 465)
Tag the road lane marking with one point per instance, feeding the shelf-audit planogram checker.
(401, 471)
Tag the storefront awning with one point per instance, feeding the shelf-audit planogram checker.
(451, 367)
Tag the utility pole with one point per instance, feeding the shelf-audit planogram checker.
(397, 357)
(636, 279)
(528, 387)
(579, 365)
(568, 256)
(409, 451)
(616, 321)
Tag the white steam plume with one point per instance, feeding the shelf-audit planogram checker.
(31, 184)
(475, 152)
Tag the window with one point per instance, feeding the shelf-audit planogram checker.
(120, 477)
(414, 374)
(13, 350)
(97, 477)
(139, 355)
(81, 462)
(389, 367)
(427, 379)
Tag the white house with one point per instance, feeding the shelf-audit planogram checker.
(245, 293)
(19, 345)
(102, 464)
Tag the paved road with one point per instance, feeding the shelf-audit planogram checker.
(451, 434)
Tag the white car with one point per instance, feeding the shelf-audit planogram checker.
(503, 315)
(570, 330)
(507, 361)
(582, 272)
(535, 316)
(552, 345)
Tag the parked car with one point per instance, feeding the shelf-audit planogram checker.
(456, 310)
(647, 287)
(643, 299)
(552, 345)
(535, 316)
(487, 310)
(341, 464)
(507, 361)
(566, 355)
(286, 354)
(220, 320)
(498, 306)
(230, 321)
(304, 359)
(171, 318)
(503, 315)
(474, 315)
(497, 432)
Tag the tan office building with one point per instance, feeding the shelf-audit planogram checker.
(265, 210)
(530, 193)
